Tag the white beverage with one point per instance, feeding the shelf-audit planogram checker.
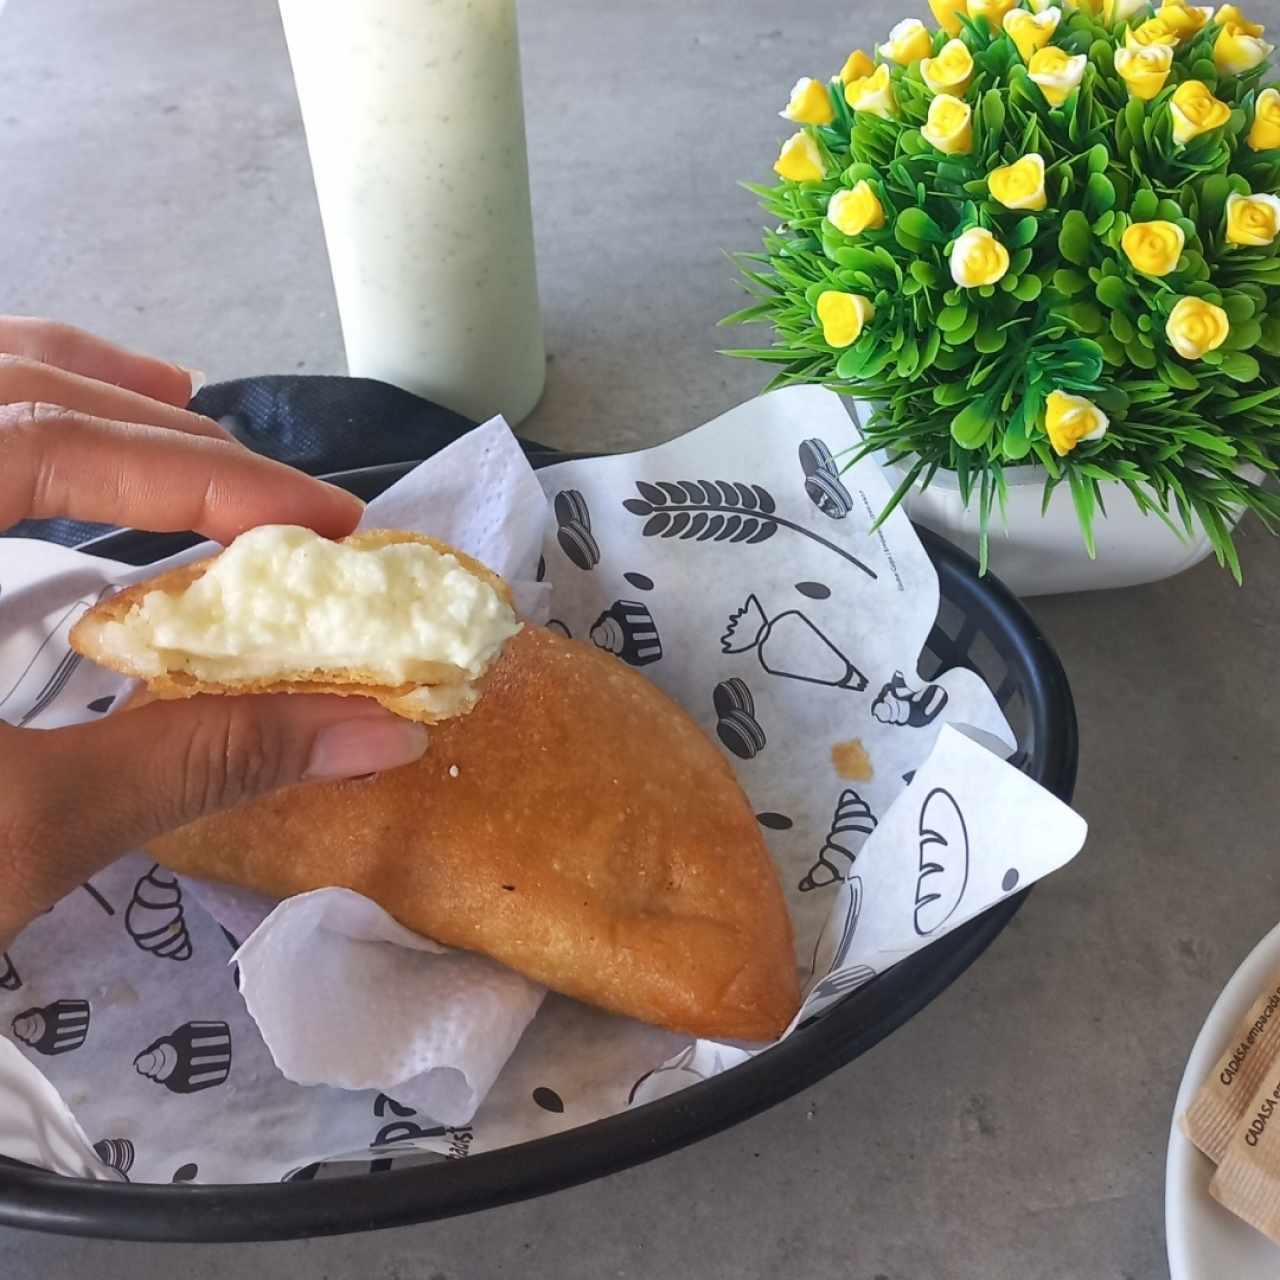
(415, 125)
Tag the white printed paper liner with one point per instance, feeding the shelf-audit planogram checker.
(735, 568)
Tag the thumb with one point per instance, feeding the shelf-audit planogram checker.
(81, 796)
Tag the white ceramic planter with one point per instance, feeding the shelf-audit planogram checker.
(1036, 554)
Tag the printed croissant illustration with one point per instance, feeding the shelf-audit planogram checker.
(626, 629)
(851, 823)
(56, 1028)
(574, 531)
(822, 480)
(154, 917)
(196, 1056)
(737, 726)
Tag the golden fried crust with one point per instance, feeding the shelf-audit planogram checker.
(593, 839)
(85, 639)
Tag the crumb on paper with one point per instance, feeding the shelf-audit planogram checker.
(851, 761)
(454, 771)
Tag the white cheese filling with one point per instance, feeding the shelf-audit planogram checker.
(282, 599)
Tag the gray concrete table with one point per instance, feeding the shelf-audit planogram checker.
(155, 187)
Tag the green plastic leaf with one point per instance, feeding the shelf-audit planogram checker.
(924, 271)
(917, 223)
(1177, 375)
(1113, 292)
(1023, 233)
(1240, 365)
(1097, 158)
(1144, 204)
(1099, 195)
(971, 428)
(993, 114)
(1069, 282)
(1239, 307)
(1028, 289)
(950, 318)
(1075, 240)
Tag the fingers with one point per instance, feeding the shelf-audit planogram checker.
(55, 462)
(74, 799)
(66, 347)
(25, 380)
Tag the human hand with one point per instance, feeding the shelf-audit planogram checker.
(91, 431)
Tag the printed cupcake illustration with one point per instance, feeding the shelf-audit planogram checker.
(56, 1028)
(573, 532)
(791, 646)
(737, 726)
(822, 480)
(117, 1154)
(154, 917)
(851, 824)
(626, 629)
(898, 703)
(194, 1057)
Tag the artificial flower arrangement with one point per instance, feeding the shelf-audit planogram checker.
(1043, 235)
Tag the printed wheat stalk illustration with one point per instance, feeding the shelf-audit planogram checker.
(718, 511)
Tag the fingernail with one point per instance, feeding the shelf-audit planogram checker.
(198, 379)
(357, 747)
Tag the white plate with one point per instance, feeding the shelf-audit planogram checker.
(1204, 1241)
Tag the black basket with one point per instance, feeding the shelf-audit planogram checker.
(980, 626)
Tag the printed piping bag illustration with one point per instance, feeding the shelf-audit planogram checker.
(944, 861)
(116, 1153)
(56, 1028)
(194, 1057)
(789, 645)
(573, 519)
(47, 671)
(719, 511)
(852, 818)
(737, 726)
(154, 917)
(626, 629)
(898, 703)
(9, 977)
(822, 480)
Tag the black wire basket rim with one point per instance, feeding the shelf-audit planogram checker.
(38, 1200)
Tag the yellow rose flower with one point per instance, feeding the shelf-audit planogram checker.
(842, 316)
(800, 160)
(1235, 51)
(1252, 220)
(873, 93)
(1114, 11)
(1019, 185)
(908, 42)
(1264, 134)
(945, 11)
(950, 125)
(1196, 326)
(1195, 111)
(1153, 247)
(951, 70)
(1031, 31)
(1039, 6)
(1229, 16)
(1153, 31)
(857, 66)
(1184, 20)
(978, 258)
(1056, 73)
(1094, 8)
(1144, 71)
(1070, 419)
(992, 10)
(810, 103)
(856, 211)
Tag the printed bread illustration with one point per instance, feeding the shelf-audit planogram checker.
(394, 616)
(576, 826)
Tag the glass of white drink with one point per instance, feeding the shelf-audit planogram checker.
(415, 125)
